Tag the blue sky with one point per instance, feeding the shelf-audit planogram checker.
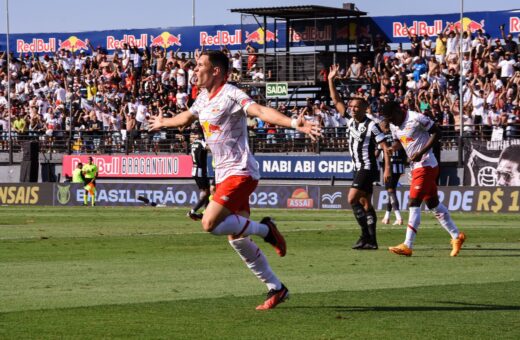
(36, 16)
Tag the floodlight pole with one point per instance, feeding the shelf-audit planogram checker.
(9, 128)
(193, 12)
(461, 91)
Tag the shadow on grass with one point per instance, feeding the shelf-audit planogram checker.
(513, 252)
(460, 306)
(492, 249)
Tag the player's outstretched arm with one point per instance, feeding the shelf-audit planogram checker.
(183, 119)
(275, 117)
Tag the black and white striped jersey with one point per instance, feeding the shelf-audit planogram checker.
(398, 158)
(362, 141)
(199, 156)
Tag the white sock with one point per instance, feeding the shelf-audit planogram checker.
(414, 220)
(387, 215)
(256, 261)
(239, 225)
(398, 215)
(443, 216)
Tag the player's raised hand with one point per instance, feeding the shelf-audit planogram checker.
(155, 123)
(333, 72)
(310, 128)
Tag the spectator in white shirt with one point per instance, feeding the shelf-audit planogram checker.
(506, 68)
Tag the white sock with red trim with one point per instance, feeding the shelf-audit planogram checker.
(443, 216)
(239, 225)
(256, 261)
(414, 220)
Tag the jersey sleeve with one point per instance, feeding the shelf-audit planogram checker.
(241, 100)
(424, 122)
(197, 105)
(377, 133)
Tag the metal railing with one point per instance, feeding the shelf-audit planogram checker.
(287, 67)
(264, 140)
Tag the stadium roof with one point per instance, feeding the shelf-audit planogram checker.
(300, 12)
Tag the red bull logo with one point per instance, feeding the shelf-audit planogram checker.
(400, 30)
(259, 37)
(166, 39)
(130, 39)
(310, 33)
(468, 23)
(405, 140)
(36, 46)
(73, 43)
(514, 25)
(210, 129)
(221, 38)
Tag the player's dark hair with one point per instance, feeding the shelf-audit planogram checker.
(511, 153)
(389, 108)
(218, 59)
(361, 100)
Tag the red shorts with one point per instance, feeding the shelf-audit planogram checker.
(233, 193)
(424, 183)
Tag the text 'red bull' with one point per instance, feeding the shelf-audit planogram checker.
(418, 27)
(36, 46)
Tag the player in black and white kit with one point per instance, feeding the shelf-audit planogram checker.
(199, 172)
(398, 162)
(364, 135)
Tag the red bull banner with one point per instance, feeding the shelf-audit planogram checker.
(393, 29)
(133, 166)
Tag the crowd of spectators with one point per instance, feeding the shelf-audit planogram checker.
(96, 92)
(91, 94)
(426, 78)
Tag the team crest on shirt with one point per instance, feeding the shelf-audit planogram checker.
(362, 128)
(215, 109)
(405, 140)
(210, 129)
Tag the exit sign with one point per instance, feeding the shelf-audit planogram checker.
(273, 90)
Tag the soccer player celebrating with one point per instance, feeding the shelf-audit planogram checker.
(363, 136)
(222, 110)
(416, 133)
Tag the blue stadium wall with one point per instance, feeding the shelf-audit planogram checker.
(188, 39)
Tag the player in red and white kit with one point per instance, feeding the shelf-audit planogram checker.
(416, 133)
(222, 110)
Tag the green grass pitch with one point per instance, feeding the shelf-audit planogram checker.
(151, 273)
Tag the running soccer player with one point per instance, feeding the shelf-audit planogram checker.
(416, 133)
(199, 156)
(222, 110)
(398, 162)
(364, 135)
